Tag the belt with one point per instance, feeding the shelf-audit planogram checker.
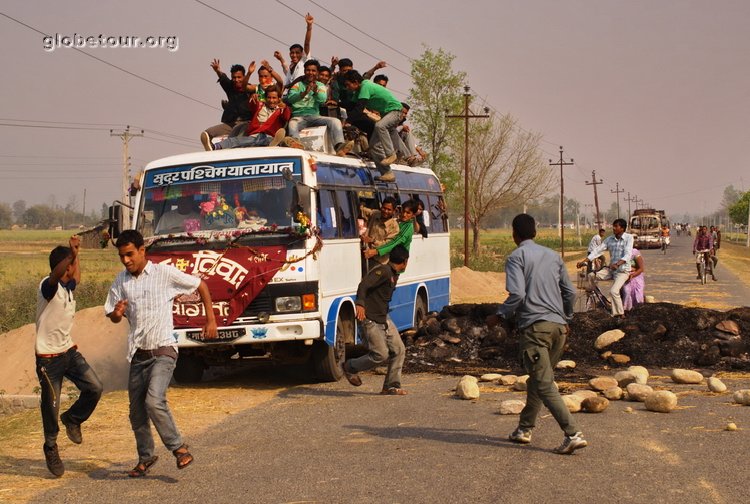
(53, 355)
(142, 354)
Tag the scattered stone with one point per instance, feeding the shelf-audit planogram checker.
(649, 299)
(686, 376)
(510, 379)
(594, 404)
(742, 397)
(585, 393)
(467, 388)
(661, 401)
(613, 394)
(566, 364)
(641, 374)
(432, 326)
(638, 392)
(520, 384)
(605, 355)
(450, 325)
(619, 359)
(607, 338)
(628, 409)
(511, 407)
(601, 383)
(716, 385)
(573, 402)
(490, 377)
(731, 426)
(625, 378)
(728, 326)
(450, 339)
(660, 331)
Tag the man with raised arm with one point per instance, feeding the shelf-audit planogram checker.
(298, 55)
(235, 108)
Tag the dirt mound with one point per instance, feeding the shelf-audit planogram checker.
(469, 286)
(457, 340)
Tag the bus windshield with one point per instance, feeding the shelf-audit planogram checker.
(260, 202)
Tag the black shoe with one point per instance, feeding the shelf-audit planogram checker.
(713, 278)
(73, 430)
(54, 463)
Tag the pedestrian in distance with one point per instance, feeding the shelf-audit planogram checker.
(541, 297)
(380, 334)
(57, 357)
(144, 294)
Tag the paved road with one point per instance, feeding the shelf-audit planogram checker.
(332, 443)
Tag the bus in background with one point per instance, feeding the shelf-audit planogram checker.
(274, 232)
(645, 225)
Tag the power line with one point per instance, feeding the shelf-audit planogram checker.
(133, 74)
(240, 22)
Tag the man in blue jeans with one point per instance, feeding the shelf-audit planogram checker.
(380, 334)
(57, 357)
(541, 297)
(144, 294)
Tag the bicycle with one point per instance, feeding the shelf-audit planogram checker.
(593, 298)
(705, 266)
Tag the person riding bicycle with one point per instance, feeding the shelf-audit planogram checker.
(703, 244)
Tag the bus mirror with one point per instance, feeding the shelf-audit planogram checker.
(115, 220)
(301, 199)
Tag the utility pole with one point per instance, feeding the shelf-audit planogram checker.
(561, 164)
(633, 199)
(83, 221)
(466, 116)
(595, 183)
(617, 195)
(125, 136)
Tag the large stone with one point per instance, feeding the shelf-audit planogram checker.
(566, 364)
(625, 378)
(607, 338)
(585, 393)
(619, 359)
(467, 388)
(742, 397)
(450, 325)
(641, 374)
(448, 338)
(602, 383)
(511, 407)
(509, 379)
(661, 401)
(638, 392)
(613, 394)
(686, 376)
(594, 404)
(520, 384)
(716, 385)
(573, 402)
(490, 377)
(729, 327)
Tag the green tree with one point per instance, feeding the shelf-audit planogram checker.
(40, 216)
(6, 215)
(19, 207)
(730, 197)
(738, 211)
(437, 92)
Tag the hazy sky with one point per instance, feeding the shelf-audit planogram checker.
(653, 94)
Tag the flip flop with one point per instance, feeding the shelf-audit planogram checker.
(393, 391)
(183, 456)
(142, 468)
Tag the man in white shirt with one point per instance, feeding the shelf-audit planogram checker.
(598, 261)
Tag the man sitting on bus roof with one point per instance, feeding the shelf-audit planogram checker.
(305, 98)
(298, 55)
(266, 126)
(374, 98)
(235, 108)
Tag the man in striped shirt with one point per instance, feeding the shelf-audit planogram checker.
(144, 294)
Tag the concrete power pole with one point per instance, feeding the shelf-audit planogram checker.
(125, 136)
(617, 195)
(466, 116)
(595, 183)
(629, 200)
(562, 163)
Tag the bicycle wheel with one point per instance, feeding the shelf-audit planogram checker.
(664, 247)
(703, 272)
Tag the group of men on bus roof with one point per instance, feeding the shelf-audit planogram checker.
(348, 104)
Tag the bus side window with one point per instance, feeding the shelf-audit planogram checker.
(326, 214)
(438, 214)
(347, 214)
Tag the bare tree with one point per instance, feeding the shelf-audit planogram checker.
(506, 168)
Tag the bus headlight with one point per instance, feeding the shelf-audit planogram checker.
(288, 304)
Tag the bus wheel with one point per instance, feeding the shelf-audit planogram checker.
(420, 310)
(189, 369)
(328, 360)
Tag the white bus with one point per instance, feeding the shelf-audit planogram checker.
(274, 232)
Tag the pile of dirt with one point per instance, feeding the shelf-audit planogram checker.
(657, 335)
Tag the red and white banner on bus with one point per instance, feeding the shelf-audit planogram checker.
(234, 277)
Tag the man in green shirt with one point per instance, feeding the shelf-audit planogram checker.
(406, 231)
(375, 98)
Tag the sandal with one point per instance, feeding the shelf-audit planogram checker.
(142, 468)
(393, 391)
(183, 457)
(352, 378)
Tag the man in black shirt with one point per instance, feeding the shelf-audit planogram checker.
(236, 108)
(380, 335)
